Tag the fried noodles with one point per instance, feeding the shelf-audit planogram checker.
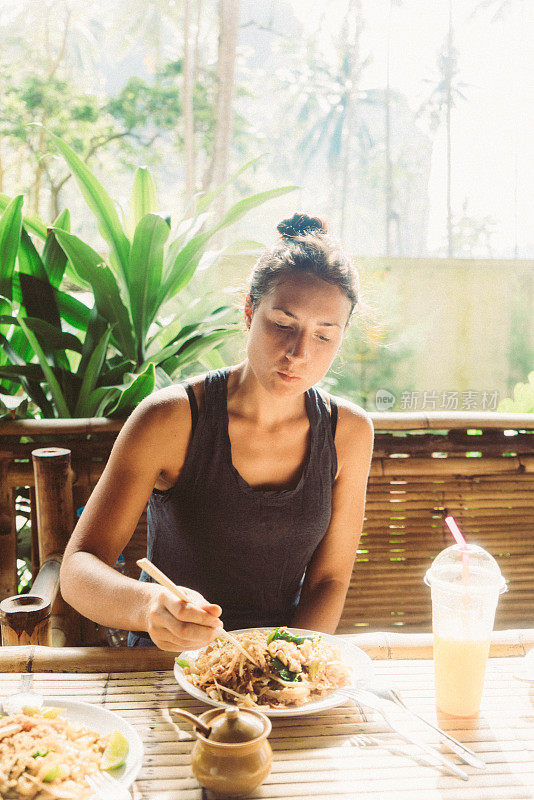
(289, 671)
(40, 757)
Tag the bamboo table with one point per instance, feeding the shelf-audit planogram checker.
(338, 754)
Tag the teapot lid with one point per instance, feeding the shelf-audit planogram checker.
(235, 725)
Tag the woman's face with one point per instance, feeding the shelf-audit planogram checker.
(295, 332)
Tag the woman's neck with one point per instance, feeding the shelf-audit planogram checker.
(248, 398)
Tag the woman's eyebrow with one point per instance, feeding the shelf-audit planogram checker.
(294, 316)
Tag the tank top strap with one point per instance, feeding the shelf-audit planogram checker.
(214, 405)
(193, 405)
(333, 416)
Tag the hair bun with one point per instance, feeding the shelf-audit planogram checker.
(300, 225)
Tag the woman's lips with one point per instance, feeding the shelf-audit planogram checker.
(288, 378)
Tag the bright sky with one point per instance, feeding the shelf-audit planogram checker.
(491, 131)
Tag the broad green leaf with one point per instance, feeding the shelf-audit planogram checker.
(200, 345)
(115, 375)
(186, 230)
(38, 302)
(187, 351)
(14, 371)
(100, 204)
(182, 270)
(31, 223)
(96, 329)
(72, 310)
(101, 398)
(38, 299)
(162, 379)
(54, 258)
(142, 385)
(50, 337)
(106, 290)
(146, 268)
(175, 331)
(207, 199)
(30, 383)
(52, 382)
(211, 360)
(91, 375)
(240, 208)
(29, 259)
(10, 228)
(143, 200)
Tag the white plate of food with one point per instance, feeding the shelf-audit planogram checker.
(212, 674)
(92, 718)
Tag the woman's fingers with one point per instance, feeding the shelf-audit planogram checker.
(169, 634)
(176, 624)
(191, 613)
(198, 600)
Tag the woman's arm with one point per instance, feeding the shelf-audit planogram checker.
(152, 442)
(329, 571)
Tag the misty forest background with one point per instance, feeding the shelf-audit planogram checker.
(195, 89)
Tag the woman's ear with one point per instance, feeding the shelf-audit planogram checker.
(248, 311)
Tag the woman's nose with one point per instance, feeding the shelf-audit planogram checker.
(297, 348)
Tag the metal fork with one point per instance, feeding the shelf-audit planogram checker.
(107, 788)
(370, 700)
(457, 747)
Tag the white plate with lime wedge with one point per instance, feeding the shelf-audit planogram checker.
(103, 721)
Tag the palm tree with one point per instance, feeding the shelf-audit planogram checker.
(391, 214)
(324, 99)
(224, 115)
(443, 99)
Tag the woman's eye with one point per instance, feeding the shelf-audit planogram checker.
(282, 327)
(323, 338)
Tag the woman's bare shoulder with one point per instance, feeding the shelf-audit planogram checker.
(166, 409)
(354, 431)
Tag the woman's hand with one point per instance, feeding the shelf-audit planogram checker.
(177, 625)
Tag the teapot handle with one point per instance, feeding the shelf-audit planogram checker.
(196, 722)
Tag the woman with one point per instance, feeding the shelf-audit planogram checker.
(255, 479)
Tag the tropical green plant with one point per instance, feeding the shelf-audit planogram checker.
(523, 399)
(75, 360)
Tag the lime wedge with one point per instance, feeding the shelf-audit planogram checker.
(116, 751)
(57, 771)
(51, 712)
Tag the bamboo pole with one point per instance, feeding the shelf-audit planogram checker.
(379, 644)
(55, 522)
(25, 619)
(8, 535)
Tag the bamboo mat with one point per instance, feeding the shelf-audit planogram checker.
(338, 754)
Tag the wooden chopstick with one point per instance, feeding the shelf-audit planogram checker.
(163, 580)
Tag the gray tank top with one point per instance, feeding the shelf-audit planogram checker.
(246, 549)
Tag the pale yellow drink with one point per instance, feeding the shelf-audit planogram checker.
(460, 667)
(465, 584)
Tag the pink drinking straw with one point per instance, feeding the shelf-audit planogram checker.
(459, 537)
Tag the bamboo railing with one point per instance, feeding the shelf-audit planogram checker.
(478, 467)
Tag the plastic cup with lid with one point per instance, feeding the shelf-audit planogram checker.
(465, 584)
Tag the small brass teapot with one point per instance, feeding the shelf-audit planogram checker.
(231, 756)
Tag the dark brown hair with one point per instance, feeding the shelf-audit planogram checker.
(304, 247)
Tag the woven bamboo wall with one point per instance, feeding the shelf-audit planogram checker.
(485, 480)
(419, 474)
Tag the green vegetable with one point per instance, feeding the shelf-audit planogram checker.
(313, 669)
(42, 755)
(287, 637)
(284, 672)
(182, 662)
